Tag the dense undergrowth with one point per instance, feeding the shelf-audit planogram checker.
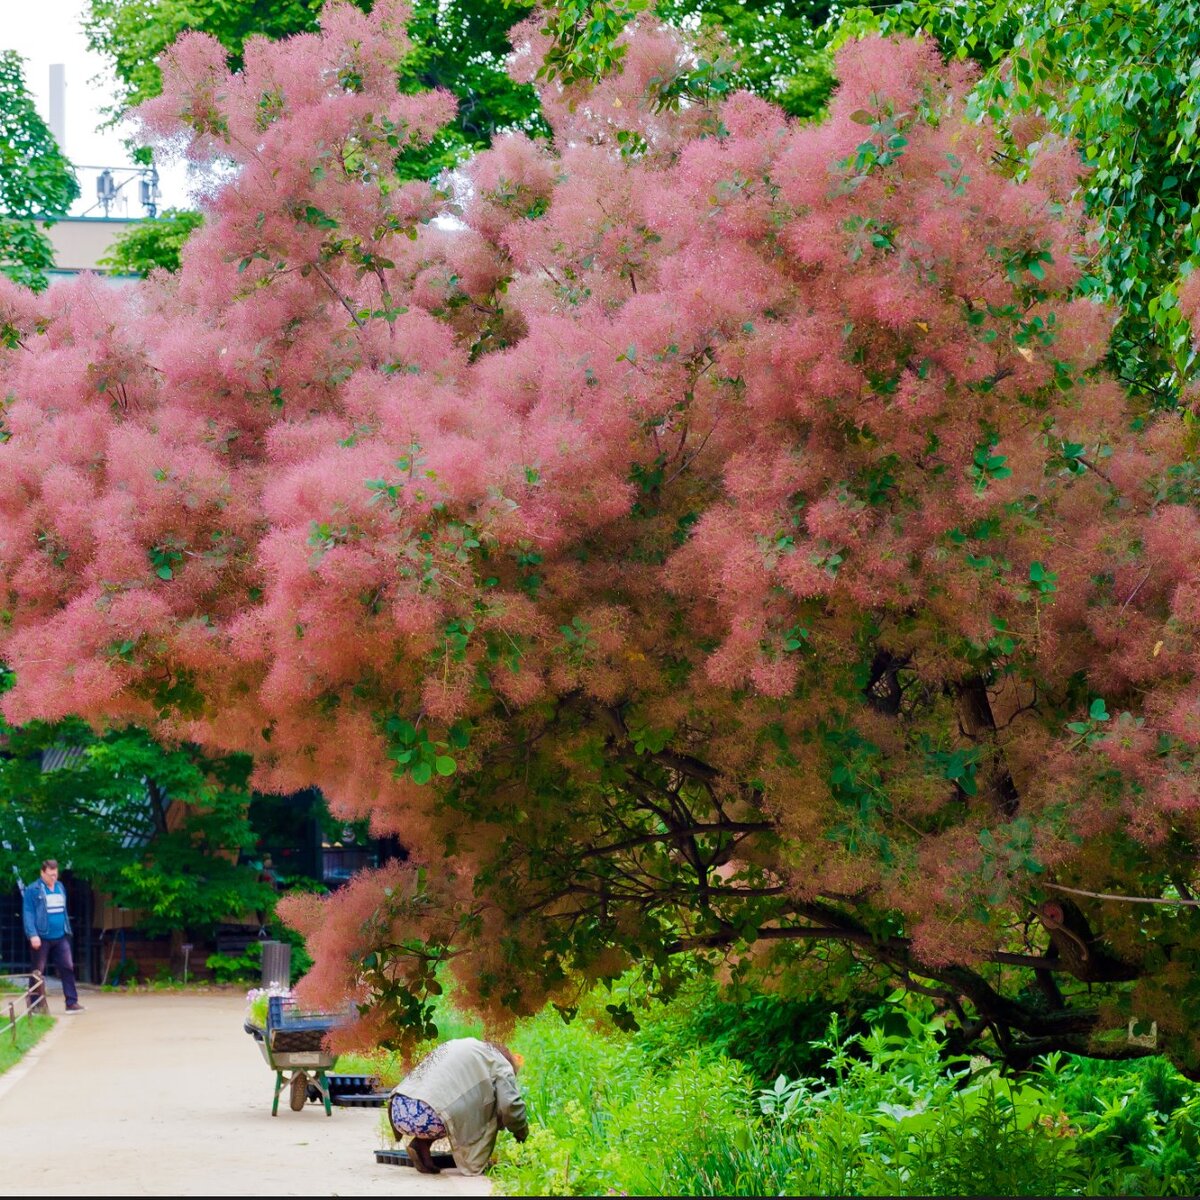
(690, 1105)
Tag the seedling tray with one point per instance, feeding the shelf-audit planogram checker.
(399, 1158)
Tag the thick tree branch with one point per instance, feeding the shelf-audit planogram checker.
(674, 835)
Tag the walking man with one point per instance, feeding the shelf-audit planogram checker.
(48, 929)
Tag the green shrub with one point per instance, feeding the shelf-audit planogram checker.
(669, 1111)
(900, 1120)
(1139, 1121)
(889, 1115)
(153, 242)
(237, 968)
(771, 1035)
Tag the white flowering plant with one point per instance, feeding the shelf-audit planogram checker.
(256, 1003)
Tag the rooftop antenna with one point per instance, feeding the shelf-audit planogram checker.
(106, 189)
(150, 193)
(58, 104)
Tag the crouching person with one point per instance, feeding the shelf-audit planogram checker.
(465, 1090)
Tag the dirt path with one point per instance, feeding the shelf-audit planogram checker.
(164, 1094)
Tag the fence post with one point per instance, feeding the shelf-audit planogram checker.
(37, 1001)
(12, 1016)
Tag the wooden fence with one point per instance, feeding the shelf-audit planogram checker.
(34, 999)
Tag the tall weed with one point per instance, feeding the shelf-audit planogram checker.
(606, 1120)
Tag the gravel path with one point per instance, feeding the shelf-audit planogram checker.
(164, 1094)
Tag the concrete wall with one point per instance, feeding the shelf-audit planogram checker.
(79, 242)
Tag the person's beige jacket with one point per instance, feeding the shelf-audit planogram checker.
(470, 1085)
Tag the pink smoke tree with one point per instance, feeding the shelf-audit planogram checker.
(698, 533)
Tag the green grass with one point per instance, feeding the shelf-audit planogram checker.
(29, 1033)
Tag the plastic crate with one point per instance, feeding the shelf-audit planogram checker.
(290, 1030)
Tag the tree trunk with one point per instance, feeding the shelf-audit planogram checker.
(979, 724)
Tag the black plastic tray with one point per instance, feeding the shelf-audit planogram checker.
(341, 1100)
(399, 1158)
(353, 1085)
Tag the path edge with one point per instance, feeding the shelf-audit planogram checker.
(30, 1059)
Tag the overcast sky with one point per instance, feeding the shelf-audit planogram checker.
(49, 31)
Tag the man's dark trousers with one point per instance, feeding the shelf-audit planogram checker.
(58, 950)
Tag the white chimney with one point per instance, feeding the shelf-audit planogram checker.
(58, 104)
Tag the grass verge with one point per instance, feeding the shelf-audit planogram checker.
(29, 1032)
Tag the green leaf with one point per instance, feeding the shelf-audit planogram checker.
(444, 764)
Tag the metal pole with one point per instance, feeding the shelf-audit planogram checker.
(12, 1016)
(58, 104)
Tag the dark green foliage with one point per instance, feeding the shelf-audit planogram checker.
(766, 1033)
(584, 37)
(107, 814)
(246, 967)
(153, 243)
(236, 968)
(35, 179)
(779, 49)
(1141, 1120)
(122, 972)
(461, 46)
(780, 46)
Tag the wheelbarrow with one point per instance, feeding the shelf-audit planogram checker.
(293, 1045)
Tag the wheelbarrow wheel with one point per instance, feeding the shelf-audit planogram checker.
(299, 1091)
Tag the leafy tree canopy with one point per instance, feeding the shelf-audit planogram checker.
(725, 540)
(154, 242)
(780, 46)
(35, 179)
(106, 811)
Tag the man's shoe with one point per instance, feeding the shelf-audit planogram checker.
(75, 1008)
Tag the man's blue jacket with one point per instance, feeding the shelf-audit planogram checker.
(33, 911)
